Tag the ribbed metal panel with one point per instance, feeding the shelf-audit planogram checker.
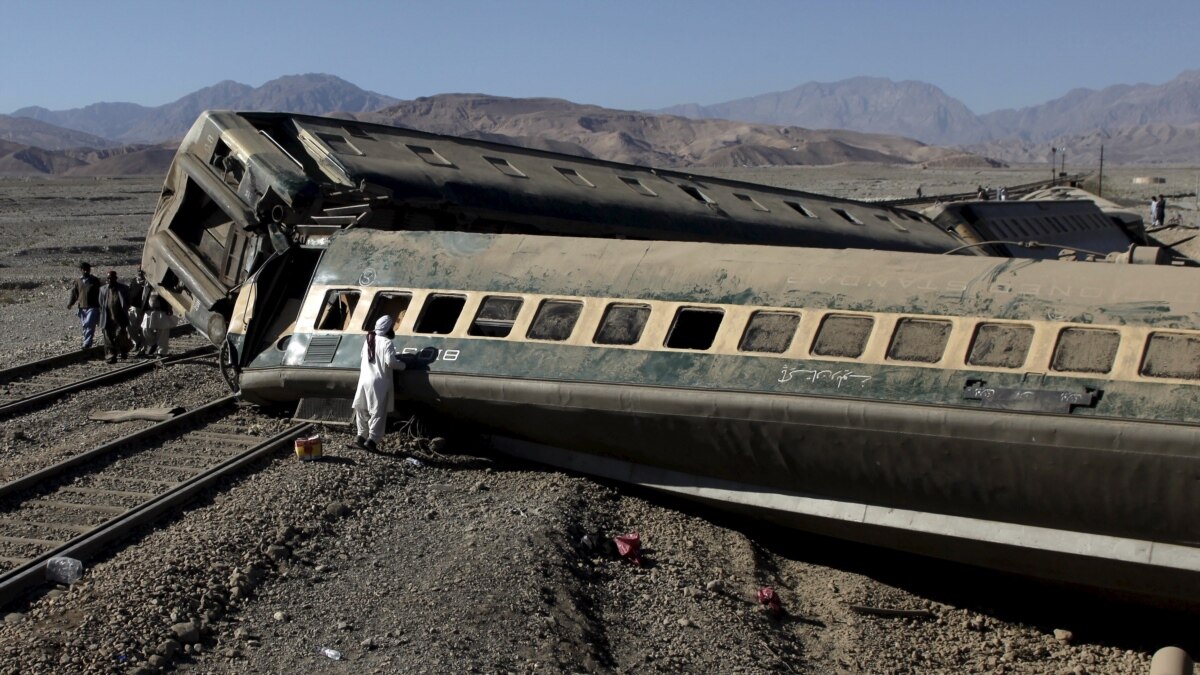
(324, 411)
(321, 349)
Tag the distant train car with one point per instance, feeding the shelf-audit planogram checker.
(247, 190)
(1036, 416)
(1036, 229)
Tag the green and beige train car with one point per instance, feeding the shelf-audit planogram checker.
(1037, 416)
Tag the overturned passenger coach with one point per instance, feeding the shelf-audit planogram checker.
(742, 346)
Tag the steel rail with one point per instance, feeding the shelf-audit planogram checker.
(29, 480)
(18, 581)
(69, 358)
(111, 376)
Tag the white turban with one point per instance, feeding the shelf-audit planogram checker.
(383, 325)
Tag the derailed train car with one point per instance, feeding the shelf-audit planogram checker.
(247, 193)
(1036, 416)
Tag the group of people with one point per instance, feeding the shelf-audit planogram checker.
(1158, 211)
(130, 317)
(983, 194)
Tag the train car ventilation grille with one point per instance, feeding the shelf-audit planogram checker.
(324, 411)
(321, 349)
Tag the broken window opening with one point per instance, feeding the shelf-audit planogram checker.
(336, 309)
(394, 305)
(440, 314)
(694, 328)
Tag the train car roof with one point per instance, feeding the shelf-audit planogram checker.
(862, 280)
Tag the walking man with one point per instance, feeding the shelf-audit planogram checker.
(86, 292)
(374, 398)
(139, 295)
(114, 318)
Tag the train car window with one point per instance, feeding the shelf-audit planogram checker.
(554, 320)
(505, 167)
(751, 201)
(799, 208)
(339, 144)
(769, 332)
(849, 217)
(574, 177)
(1172, 355)
(1086, 350)
(496, 316)
(336, 309)
(891, 222)
(694, 328)
(842, 335)
(622, 324)
(394, 305)
(1000, 345)
(638, 186)
(919, 340)
(440, 314)
(696, 194)
(430, 155)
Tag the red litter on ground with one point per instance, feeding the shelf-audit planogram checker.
(629, 547)
(769, 599)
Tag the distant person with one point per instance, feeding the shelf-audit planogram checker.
(1155, 213)
(156, 325)
(982, 195)
(139, 294)
(86, 292)
(1002, 193)
(920, 194)
(1162, 210)
(374, 398)
(114, 318)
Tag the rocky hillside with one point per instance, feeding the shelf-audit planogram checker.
(641, 138)
(313, 94)
(922, 111)
(28, 131)
(126, 160)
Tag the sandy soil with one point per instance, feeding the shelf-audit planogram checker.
(474, 563)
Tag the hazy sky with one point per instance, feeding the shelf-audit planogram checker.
(632, 55)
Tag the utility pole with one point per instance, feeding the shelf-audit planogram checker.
(1064, 160)
(1053, 165)
(1100, 190)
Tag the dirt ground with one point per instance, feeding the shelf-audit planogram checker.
(464, 561)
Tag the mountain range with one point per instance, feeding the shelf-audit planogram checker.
(862, 119)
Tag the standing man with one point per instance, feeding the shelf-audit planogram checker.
(86, 292)
(1162, 210)
(374, 398)
(139, 296)
(156, 325)
(1155, 213)
(114, 318)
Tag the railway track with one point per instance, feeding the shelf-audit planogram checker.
(85, 504)
(32, 384)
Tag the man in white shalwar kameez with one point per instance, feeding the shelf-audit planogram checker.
(374, 400)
